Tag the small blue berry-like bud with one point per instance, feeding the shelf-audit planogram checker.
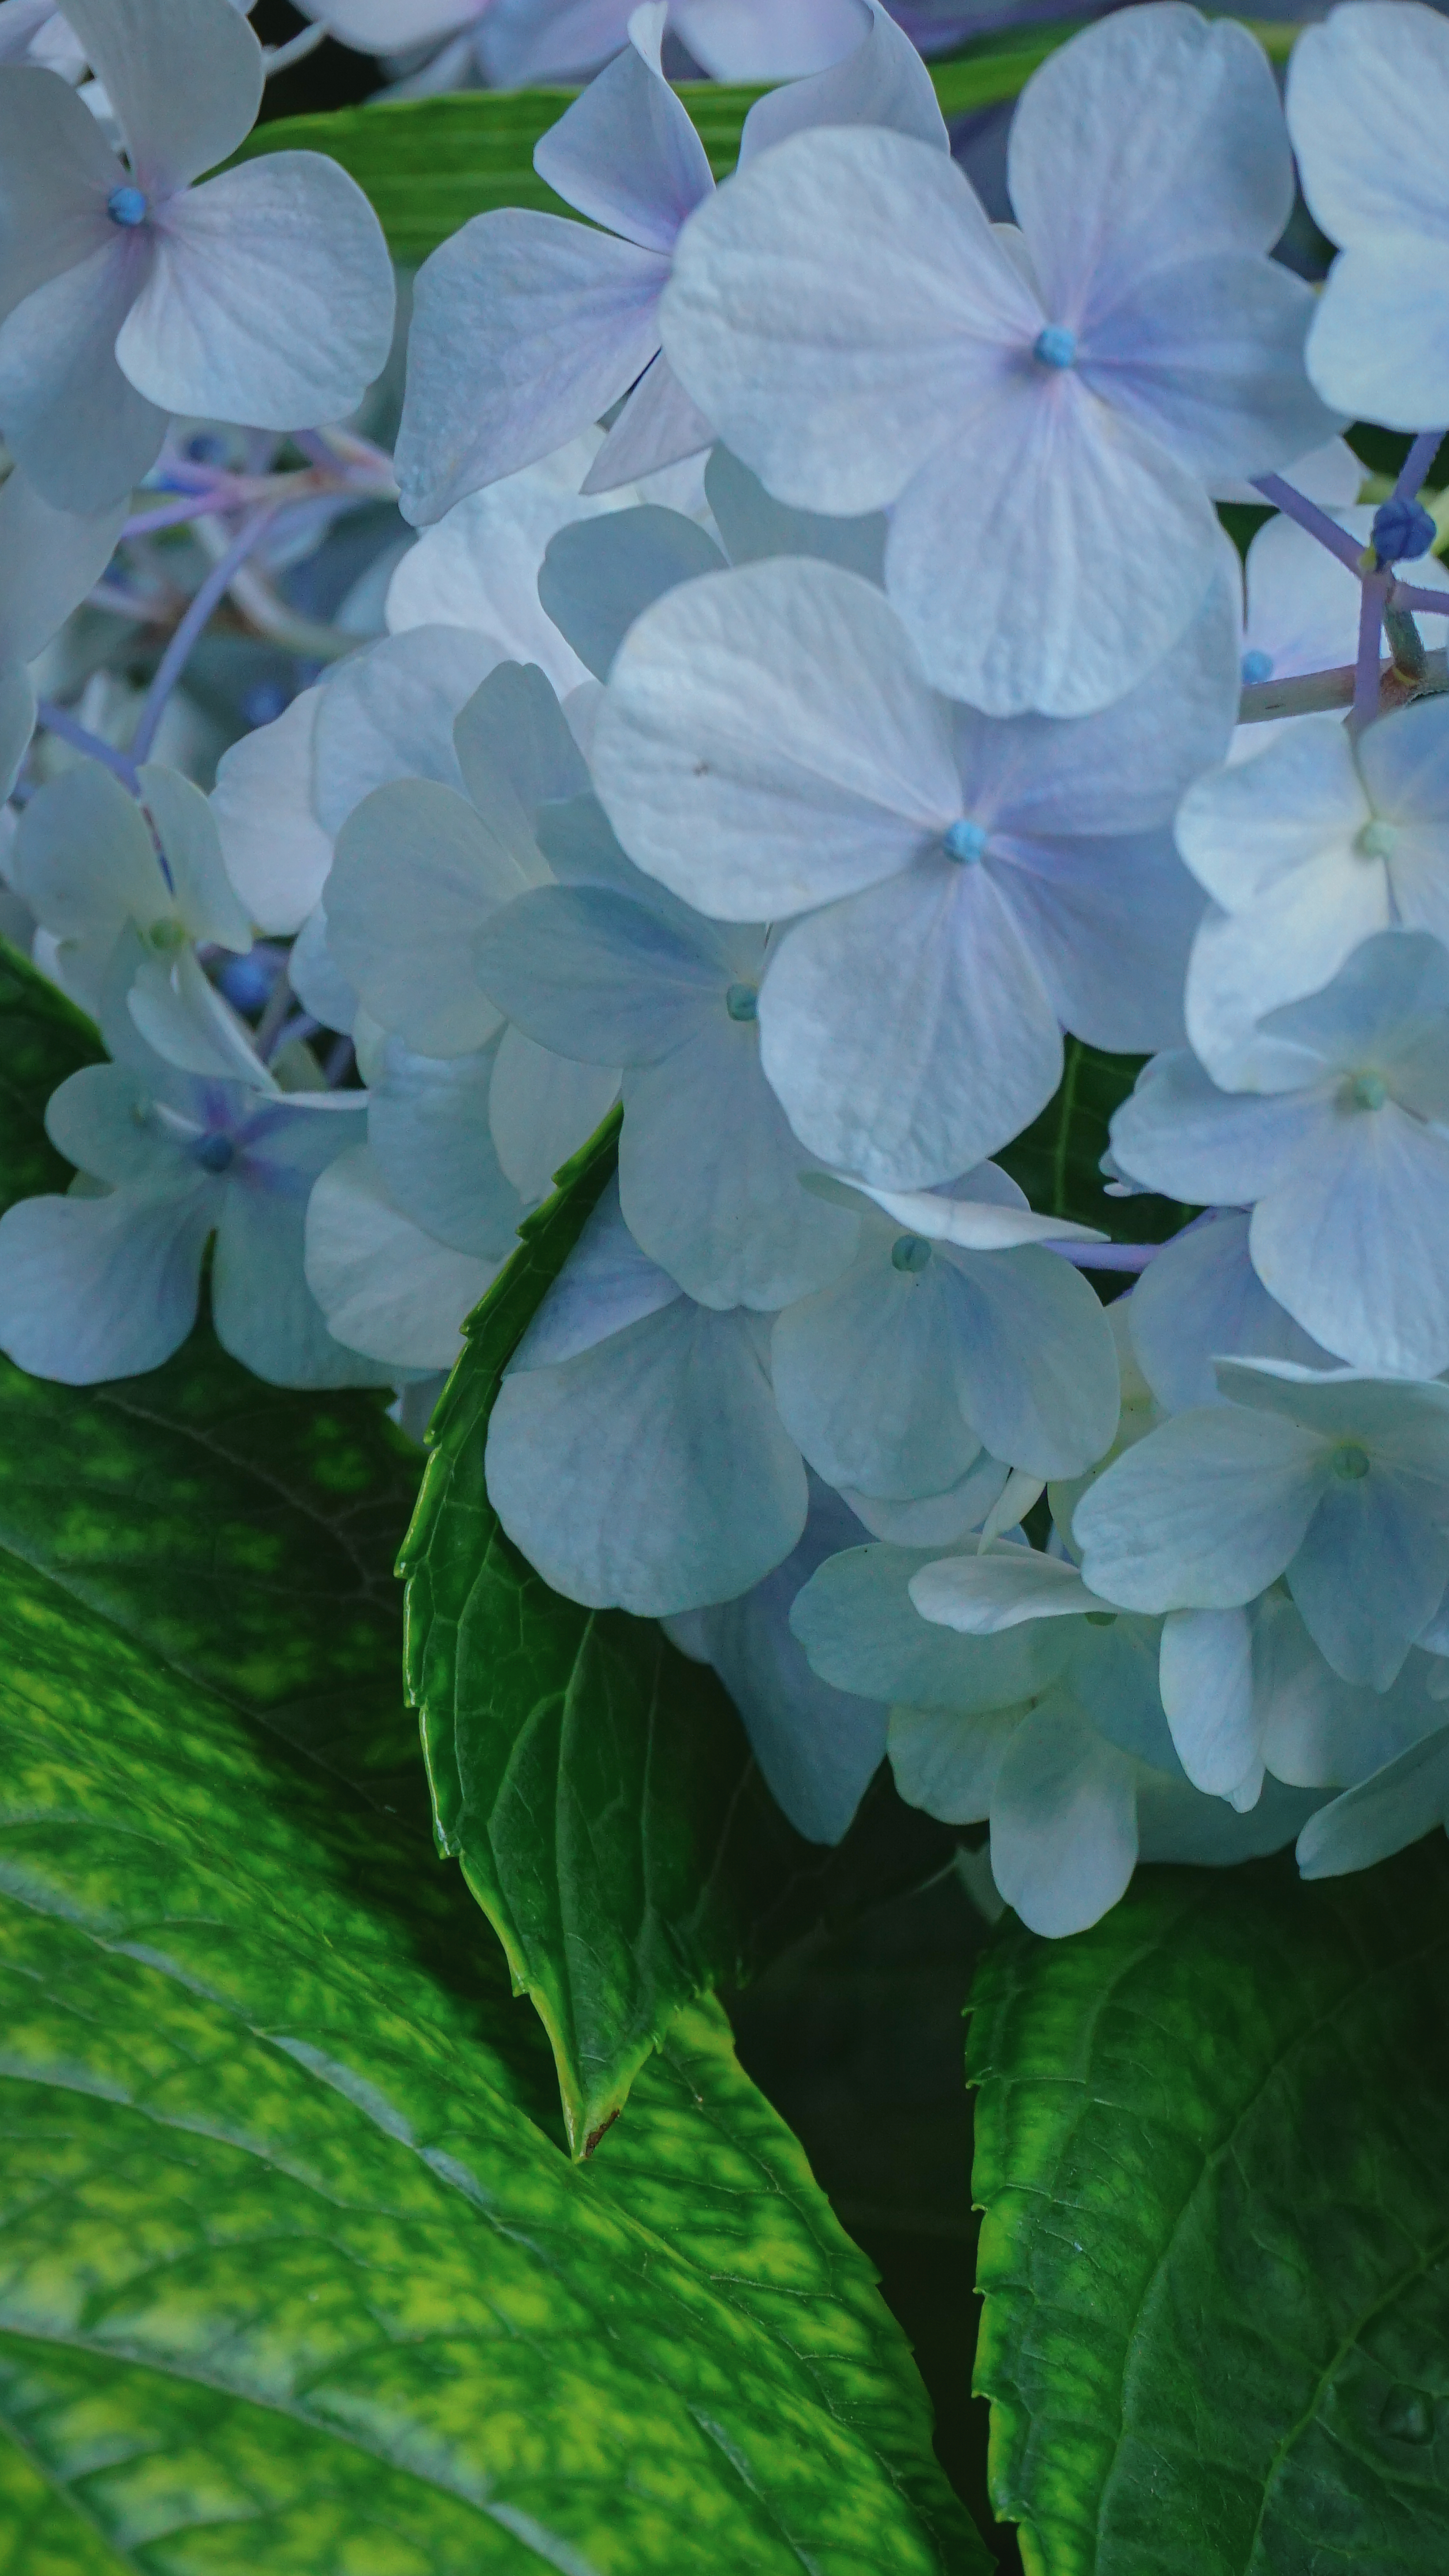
(215, 1153)
(1056, 346)
(1257, 666)
(742, 1002)
(911, 1253)
(964, 841)
(1402, 530)
(127, 206)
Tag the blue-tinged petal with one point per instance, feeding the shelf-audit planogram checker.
(652, 1472)
(525, 329)
(1203, 1513)
(95, 1288)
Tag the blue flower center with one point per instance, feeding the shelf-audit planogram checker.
(911, 1253)
(1368, 1091)
(215, 1153)
(964, 841)
(742, 1002)
(1350, 1462)
(128, 207)
(1401, 530)
(1056, 346)
(1257, 666)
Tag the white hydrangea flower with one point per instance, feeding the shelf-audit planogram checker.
(527, 328)
(1368, 93)
(1045, 410)
(265, 296)
(768, 747)
(1342, 1154)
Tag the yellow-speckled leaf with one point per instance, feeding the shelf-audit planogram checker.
(1212, 2149)
(292, 2280)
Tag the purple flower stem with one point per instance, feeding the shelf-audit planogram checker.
(1376, 588)
(68, 728)
(210, 595)
(1309, 516)
(1430, 603)
(1417, 463)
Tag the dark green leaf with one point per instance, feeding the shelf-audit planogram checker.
(596, 1786)
(292, 2279)
(1212, 2148)
(428, 164)
(856, 2038)
(42, 1039)
(1057, 1161)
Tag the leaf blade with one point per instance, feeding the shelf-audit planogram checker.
(1215, 2250)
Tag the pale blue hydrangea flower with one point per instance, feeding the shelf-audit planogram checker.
(1018, 1700)
(818, 1747)
(49, 559)
(1381, 1815)
(121, 889)
(950, 1333)
(406, 1232)
(1343, 1154)
(768, 747)
(635, 1453)
(610, 969)
(103, 1286)
(265, 296)
(528, 328)
(1201, 1300)
(422, 867)
(1302, 603)
(1368, 94)
(1307, 849)
(1045, 410)
(1337, 1480)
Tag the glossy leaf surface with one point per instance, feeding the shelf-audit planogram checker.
(429, 164)
(292, 2279)
(1212, 2148)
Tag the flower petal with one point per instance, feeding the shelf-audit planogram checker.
(525, 329)
(184, 79)
(271, 297)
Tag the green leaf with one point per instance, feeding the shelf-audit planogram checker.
(1212, 2149)
(429, 164)
(294, 2280)
(1057, 1160)
(596, 1786)
(43, 1037)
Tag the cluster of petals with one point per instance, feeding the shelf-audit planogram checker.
(802, 719)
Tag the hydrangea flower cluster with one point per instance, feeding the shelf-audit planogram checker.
(808, 684)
